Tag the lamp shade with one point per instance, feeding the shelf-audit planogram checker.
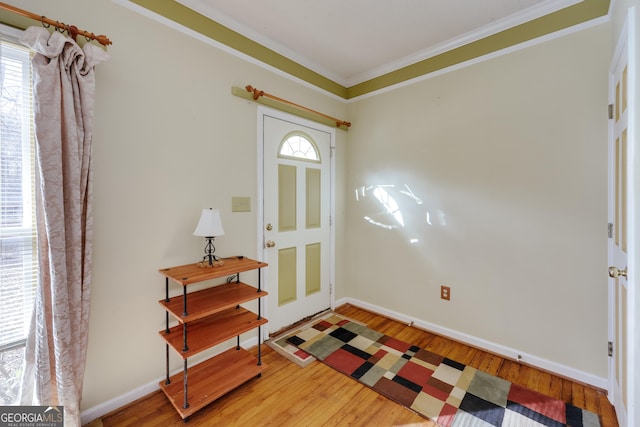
(210, 224)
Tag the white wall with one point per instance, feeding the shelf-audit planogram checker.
(508, 158)
(170, 139)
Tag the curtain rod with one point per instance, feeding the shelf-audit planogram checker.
(258, 93)
(71, 29)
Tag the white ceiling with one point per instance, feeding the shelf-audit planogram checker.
(351, 41)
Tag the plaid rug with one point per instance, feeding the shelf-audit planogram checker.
(438, 388)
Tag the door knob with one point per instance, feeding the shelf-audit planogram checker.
(615, 272)
(270, 243)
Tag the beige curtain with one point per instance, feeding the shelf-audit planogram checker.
(64, 86)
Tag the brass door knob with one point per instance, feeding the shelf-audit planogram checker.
(270, 243)
(616, 272)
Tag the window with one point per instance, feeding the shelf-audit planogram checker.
(18, 250)
(300, 147)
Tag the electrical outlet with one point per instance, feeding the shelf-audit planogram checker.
(445, 292)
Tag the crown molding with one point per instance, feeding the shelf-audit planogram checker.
(512, 21)
(217, 16)
(550, 17)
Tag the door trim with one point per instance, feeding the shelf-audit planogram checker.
(261, 249)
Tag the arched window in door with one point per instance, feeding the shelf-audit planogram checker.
(299, 146)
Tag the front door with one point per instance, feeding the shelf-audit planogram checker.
(619, 225)
(296, 219)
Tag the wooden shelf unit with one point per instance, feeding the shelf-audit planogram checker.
(205, 319)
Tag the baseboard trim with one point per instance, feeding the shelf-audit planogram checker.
(102, 409)
(501, 350)
(97, 411)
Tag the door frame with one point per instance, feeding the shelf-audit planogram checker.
(262, 249)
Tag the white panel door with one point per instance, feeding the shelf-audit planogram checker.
(296, 219)
(621, 224)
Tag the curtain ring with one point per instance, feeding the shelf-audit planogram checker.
(44, 24)
(60, 27)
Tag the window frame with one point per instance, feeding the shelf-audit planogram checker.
(307, 138)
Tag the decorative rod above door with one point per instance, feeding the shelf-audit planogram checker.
(72, 30)
(258, 93)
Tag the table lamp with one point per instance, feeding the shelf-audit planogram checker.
(209, 227)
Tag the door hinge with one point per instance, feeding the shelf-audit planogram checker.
(610, 348)
(330, 221)
(610, 230)
(610, 111)
(331, 151)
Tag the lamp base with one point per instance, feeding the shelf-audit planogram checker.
(210, 260)
(205, 264)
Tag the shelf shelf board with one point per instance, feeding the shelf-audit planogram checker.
(211, 300)
(193, 273)
(210, 331)
(211, 379)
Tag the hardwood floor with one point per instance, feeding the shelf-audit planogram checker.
(287, 395)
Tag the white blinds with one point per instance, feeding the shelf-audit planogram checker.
(18, 251)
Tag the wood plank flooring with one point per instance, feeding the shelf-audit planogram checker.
(287, 395)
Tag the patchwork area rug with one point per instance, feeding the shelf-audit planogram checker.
(438, 388)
